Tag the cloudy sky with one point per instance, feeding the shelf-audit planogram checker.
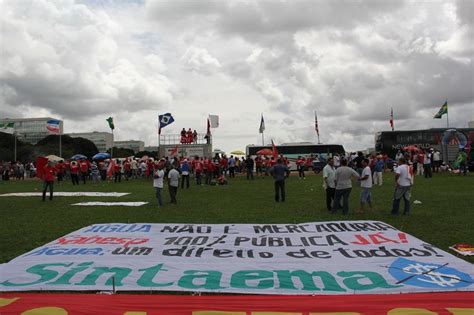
(350, 60)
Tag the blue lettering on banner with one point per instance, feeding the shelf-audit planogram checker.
(55, 251)
(124, 228)
(428, 275)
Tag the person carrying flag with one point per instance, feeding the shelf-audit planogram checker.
(49, 175)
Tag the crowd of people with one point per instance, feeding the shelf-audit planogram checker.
(339, 173)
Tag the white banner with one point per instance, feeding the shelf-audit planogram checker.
(341, 257)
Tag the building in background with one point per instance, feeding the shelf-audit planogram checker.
(31, 130)
(151, 148)
(471, 124)
(135, 145)
(102, 140)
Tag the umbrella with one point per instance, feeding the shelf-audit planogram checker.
(238, 152)
(101, 156)
(78, 157)
(144, 158)
(54, 158)
(411, 148)
(265, 152)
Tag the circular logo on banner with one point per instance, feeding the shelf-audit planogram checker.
(428, 275)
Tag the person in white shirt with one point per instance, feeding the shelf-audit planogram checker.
(366, 185)
(158, 176)
(403, 179)
(173, 183)
(329, 184)
(436, 161)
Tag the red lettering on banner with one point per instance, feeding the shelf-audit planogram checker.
(76, 239)
(378, 238)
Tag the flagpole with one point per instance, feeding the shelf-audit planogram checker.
(112, 148)
(60, 146)
(263, 139)
(14, 134)
(447, 115)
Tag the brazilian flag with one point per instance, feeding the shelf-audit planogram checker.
(443, 110)
(110, 120)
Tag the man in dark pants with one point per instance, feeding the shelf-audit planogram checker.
(343, 178)
(329, 176)
(49, 172)
(249, 166)
(279, 172)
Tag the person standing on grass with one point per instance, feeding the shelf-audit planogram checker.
(117, 171)
(49, 175)
(173, 183)
(427, 164)
(185, 173)
(300, 164)
(84, 167)
(366, 185)
(403, 180)
(378, 171)
(329, 177)
(74, 173)
(279, 172)
(249, 167)
(344, 175)
(158, 176)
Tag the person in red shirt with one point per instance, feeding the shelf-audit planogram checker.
(60, 168)
(300, 162)
(84, 166)
(117, 171)
(210, 171)
(128, 169)
(49, 175)
(198, 167)
(74, 173)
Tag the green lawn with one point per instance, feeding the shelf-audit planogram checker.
(445, 216)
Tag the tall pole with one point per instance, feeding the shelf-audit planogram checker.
(447, 119)
(112, 148)
(263, 139)
(60, 146)
(14, 134)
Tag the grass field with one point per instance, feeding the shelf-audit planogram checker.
(445, 216)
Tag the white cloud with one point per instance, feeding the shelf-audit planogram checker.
(350, 60)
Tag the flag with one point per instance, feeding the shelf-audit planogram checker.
(316, 127)
(53, 126)
(262, 125)
(274, 150)
(391, 118)
(214, 119)
(164, 120)
(110, 120)
(8, 127)
(443, 110)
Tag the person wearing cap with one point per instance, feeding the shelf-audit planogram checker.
(49, 175)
